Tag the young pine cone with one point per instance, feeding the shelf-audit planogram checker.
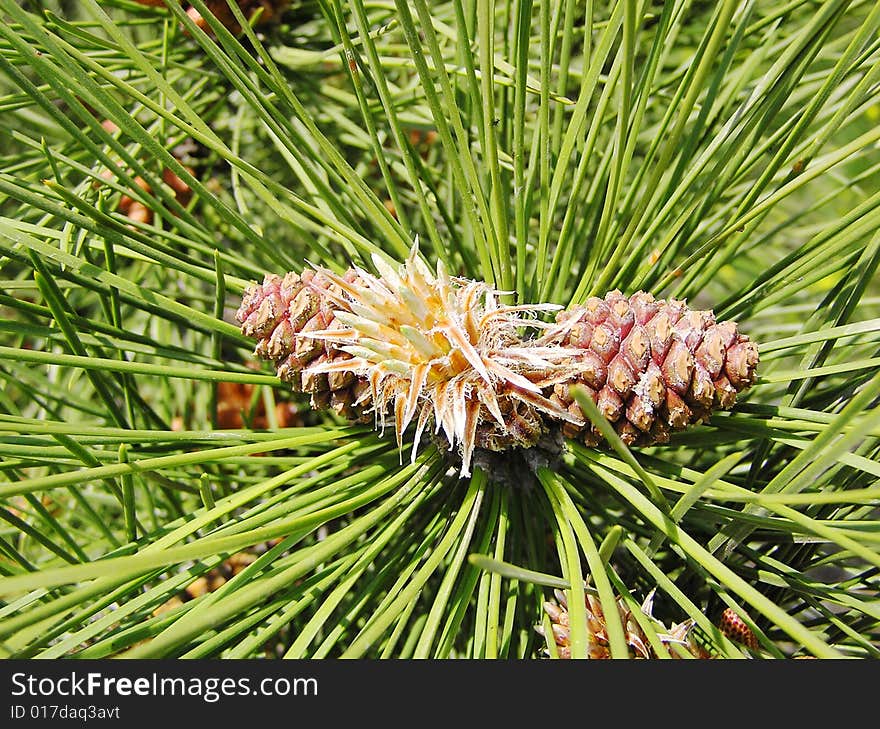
(637, 641)
(427, 347)
(421, 346)
(651, 366)
(280, 313)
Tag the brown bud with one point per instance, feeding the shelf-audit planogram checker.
(660, 335)
(314, 382)
(644, 307)
(562, 393)
(303, 307)
(628, 432)
(597, 311)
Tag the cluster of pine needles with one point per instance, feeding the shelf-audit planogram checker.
(164, 493)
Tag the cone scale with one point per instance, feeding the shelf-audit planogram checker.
(416, 346)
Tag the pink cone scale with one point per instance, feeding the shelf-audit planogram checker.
(653, 366)
(411, 345)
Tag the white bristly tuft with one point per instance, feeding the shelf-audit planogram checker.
(435, 346)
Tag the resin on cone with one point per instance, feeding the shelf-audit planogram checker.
(413, 345)
(651, 366)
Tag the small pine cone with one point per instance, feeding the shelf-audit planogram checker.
(598, 646)
(410, 346)
(277, 313)
(422, 347)
(651, 366)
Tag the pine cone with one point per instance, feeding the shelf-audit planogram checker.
(651, 366)
(279, 313)
(431, 348)
(420, 346)
(598, 646)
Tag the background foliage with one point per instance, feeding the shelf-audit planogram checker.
(163, 497)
